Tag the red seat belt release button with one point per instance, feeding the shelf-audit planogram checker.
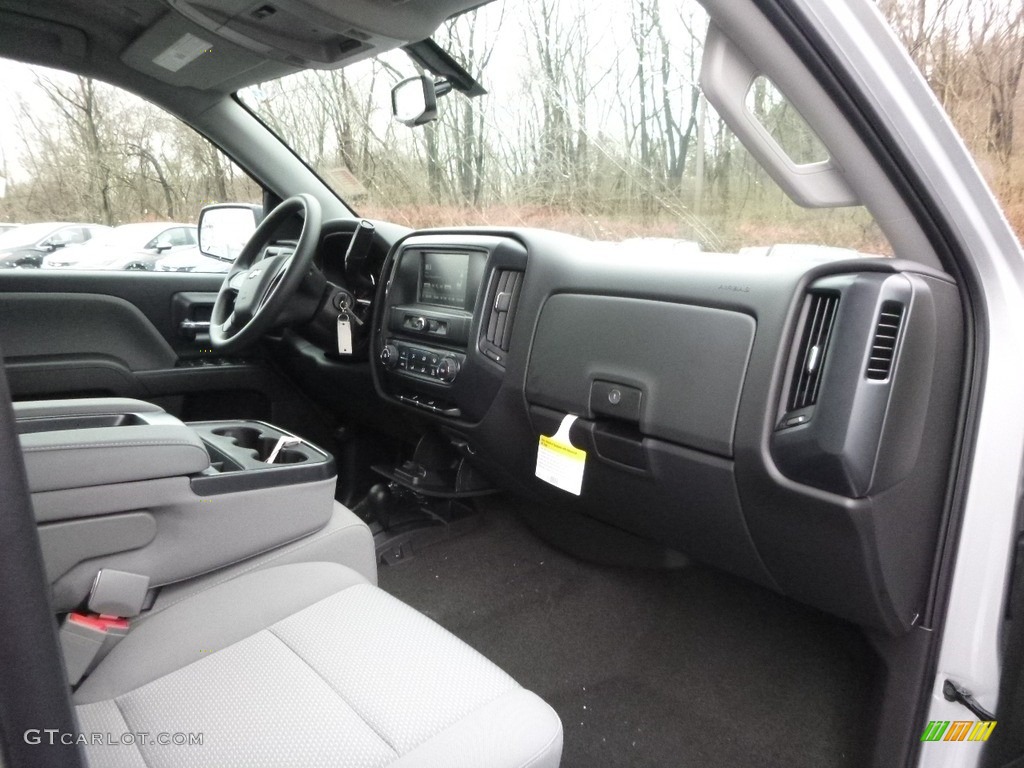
(99, 622)
(86, 638)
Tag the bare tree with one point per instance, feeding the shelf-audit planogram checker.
(997, 46)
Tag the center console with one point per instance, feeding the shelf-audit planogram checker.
(120, 485)
(444, 324)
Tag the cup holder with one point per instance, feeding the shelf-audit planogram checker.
(243, 437)
(252, 439)
(265, 446)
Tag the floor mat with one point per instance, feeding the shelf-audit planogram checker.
(682, 668)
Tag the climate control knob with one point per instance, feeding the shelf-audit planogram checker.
(448, 369)
(389, 356)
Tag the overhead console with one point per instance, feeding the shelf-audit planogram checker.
(313, 33)
(444, 324)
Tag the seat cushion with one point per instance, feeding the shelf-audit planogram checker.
(308, 665)
(345, 540)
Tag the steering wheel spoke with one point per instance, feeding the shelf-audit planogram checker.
(271, 289)
(284, 264)
(225, 329)
(234, 280)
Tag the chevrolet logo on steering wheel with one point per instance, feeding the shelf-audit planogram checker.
(255, 273)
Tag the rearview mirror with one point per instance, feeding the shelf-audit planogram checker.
(224, 229)
(414, 100)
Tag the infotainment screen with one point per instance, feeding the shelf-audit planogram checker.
(444, 279)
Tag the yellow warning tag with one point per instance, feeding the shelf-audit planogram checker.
(559, 462)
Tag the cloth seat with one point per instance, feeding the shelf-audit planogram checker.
(345, 540)
(307, 665)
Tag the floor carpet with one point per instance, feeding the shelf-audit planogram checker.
(645, 668)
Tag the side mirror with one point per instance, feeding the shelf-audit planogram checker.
(53, 243)
(162, 245)
(414, 100)
(224, 229)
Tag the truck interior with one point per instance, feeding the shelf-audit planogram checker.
(312, 487)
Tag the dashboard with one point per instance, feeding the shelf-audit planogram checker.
(785, 416)
(437, 349)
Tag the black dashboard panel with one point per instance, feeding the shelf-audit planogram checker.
(336, 238)
(685, 363)
(838, 405)
(438, 344)
(833, 495)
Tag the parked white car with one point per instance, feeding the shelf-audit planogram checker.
(129, 246)
(192, 260)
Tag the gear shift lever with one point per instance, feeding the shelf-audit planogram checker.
(381, 503)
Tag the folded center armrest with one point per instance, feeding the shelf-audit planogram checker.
(118, 487)
(84, 406)
(76, 458)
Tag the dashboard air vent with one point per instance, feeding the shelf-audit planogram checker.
(883, 346)
(498, 328)
(821, 315)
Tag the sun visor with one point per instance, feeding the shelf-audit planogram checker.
(29, 39)
(318, 33)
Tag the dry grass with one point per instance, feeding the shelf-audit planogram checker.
(1007, 182)
(593, 226)
(846, 228)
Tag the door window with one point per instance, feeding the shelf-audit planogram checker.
(147, 168)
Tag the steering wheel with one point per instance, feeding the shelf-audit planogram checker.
(257, 287)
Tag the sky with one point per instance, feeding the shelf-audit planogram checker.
(504, 76)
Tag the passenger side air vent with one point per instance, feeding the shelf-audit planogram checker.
(501, 314)
(883, 347)
(821, 315)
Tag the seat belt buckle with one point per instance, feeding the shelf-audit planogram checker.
(85, 639)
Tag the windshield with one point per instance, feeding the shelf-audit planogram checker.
(593, 124)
